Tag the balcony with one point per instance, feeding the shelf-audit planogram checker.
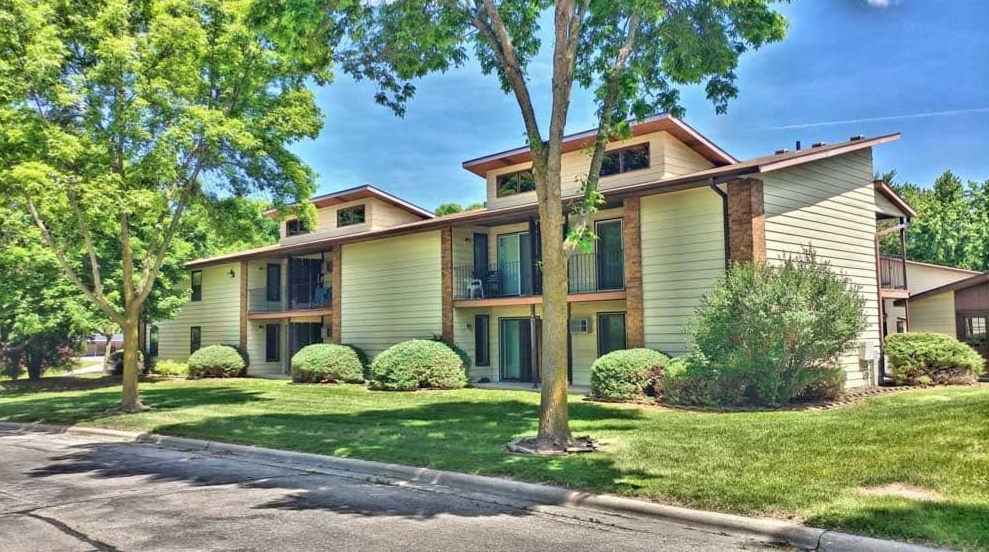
(892, 273)
(587, 273)
(290, 298)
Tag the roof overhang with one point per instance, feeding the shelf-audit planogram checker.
(582, 140)
(361, 192)
(515, 213)
(889, 193)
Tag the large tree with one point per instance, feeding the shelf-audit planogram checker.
(952, 223)
(633, 54)
(116, 115)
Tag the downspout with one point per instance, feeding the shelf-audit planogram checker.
(712, 182)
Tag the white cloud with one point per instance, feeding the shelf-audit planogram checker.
(881, 3)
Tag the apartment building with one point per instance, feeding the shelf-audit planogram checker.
(679, 209)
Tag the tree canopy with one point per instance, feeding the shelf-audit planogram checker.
(952, 223)
(118, 117)
(451, 208)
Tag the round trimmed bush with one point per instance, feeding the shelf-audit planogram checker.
(418, 363)
(243, 354)
(117, 363)
(216, 361)
(327, 363)
(628, 374)
(924, 358)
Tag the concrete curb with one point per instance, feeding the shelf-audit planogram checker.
(805, 538)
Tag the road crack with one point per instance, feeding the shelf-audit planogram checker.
(78, 535)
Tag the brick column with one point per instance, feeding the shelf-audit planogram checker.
(446, 278)
(634, 323)
(336, 257)
(746, 221)
(243, 304)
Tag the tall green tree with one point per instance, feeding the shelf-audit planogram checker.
(450, 208)
(633, 54)
(116, 115)
(952, 223)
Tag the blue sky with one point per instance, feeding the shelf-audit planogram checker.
(847, 67)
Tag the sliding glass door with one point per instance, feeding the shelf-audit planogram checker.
(517, 350)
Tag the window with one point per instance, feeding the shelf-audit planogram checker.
(195, 338)
(482, 340)
(624, 160)
(272, 342)
(153, 341)
(611, 332)
(975, 326)
(901, 325)
(197, 285)
(294, 228)
(350, 215)
(274, 283)
(515, 183)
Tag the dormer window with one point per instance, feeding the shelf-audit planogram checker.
(624, 160)
(294, 228)
(515, 183)
(350, 215)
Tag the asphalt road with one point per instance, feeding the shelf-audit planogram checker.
(69, 492)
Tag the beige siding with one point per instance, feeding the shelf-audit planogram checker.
(886, 207)
(667, 156)
(585, 346)
(386, 215)
(922, 277)
(830, 205)
(391, 291)
(256, 348)
(682, 255)
(218, 314)
(679, 159)
(934, 314)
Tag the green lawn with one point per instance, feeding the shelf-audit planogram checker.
(812, 467)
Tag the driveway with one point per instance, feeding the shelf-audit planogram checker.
(71, 492)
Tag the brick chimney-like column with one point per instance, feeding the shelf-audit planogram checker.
(746, 221)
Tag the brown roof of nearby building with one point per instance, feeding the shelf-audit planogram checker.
(362, 192)
(574, 142)
(979, 278)
(758, 165)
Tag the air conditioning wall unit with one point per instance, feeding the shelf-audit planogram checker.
(580, 325)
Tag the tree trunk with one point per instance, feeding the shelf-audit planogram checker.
(554, 421)
(131, 401)
(106, 353)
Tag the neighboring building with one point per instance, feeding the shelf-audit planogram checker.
(920, 277)
(678, 210)
(959, 307)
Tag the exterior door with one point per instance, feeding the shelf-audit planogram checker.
(509, 257)
(517, 349)
(609, 255)
(611, 332)
(481, 265)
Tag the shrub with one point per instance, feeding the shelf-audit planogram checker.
(931, 358)
(117, 363)
(363, 358)
(830, 387)
(776, 329)
(418, 363)
(692, 380)
(244, 355)
(327, 363)
(174, 368)
(464, 357)
(628, 374)
(216, 361)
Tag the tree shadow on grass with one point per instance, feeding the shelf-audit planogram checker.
(459, 436)
(80, 407)
(945, 523)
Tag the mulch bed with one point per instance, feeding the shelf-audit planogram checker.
(851, 397)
